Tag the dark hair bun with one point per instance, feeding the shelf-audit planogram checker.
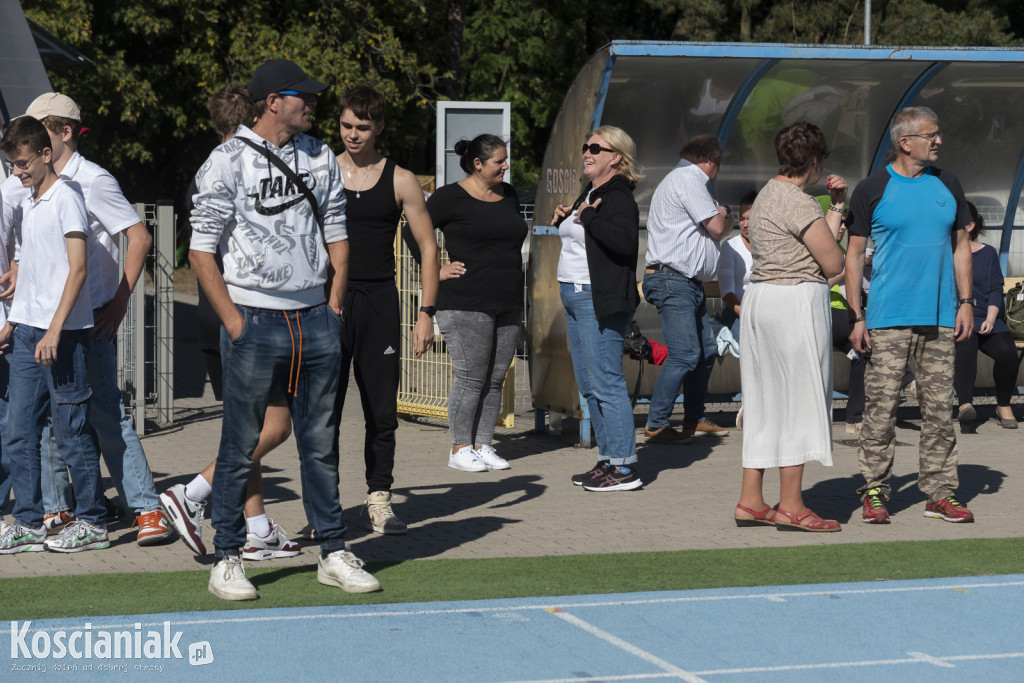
(461, 147)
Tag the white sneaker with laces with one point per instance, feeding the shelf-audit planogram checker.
(490, 458)
(467, 460)
(228, 582)
(344, 570)
(275, 545)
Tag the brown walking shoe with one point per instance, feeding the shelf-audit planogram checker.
(704, 427)
(666, 435)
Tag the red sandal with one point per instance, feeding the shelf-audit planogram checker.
(796, 522)
(761, 518)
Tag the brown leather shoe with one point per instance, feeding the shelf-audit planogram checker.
(704, 427)
(666, 435)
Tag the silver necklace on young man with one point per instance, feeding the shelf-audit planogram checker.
(366, 175)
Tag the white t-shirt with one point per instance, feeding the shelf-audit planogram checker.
(13, 195)
(734, 267)
(110, 214)
(572, 260)
(6, 253)
(675, 236)
(43, 268)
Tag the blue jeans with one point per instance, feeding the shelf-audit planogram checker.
(260, 359)
(596, 349)
(481, 346)
(113, 433)
(61, 392)
(5, 462)
(682, 308)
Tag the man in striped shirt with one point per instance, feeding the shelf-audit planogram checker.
(684, 226)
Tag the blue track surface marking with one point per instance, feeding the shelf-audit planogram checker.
(962, 629)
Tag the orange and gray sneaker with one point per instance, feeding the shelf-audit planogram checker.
(666, 435)
(704, 427)
(949, 509)
(55, 522)
(874, 508)
(153, 526)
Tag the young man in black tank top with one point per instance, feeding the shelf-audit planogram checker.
(378, 192)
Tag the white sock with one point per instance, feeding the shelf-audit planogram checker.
(198, 489)
(258, 525)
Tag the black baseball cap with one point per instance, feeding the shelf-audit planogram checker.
(276, 75)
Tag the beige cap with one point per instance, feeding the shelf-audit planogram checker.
(53, 104)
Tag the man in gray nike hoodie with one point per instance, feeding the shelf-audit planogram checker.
(285, 265)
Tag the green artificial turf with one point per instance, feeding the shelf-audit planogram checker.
(434, 580)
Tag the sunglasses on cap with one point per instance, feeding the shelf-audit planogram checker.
(596, 149)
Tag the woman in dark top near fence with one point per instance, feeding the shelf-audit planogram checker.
(480, 311)
(992, 336)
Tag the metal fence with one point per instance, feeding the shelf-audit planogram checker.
(145, 340)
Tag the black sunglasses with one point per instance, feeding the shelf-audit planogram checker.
(596, 149)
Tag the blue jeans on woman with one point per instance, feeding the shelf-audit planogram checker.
(272, 348)
(595, 345)
(60, 391)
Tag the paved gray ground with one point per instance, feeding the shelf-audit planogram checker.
(532, 509)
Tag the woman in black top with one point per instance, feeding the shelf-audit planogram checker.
(597, 282)
(992, 337)
(480, 311)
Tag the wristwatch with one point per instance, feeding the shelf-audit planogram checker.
(429, 310)
(969, 300)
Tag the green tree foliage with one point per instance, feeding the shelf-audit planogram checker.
(156, 61)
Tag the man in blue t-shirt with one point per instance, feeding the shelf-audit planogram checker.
(921, 301)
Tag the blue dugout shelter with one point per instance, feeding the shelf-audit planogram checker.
(665, 93)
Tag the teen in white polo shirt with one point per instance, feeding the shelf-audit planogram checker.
(110, 214)
(45, 337)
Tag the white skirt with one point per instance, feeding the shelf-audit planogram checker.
(786, 374)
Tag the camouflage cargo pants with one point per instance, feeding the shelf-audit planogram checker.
(929, 351)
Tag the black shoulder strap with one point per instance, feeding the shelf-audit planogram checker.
(290, 174)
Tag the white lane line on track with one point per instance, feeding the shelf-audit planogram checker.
(625, 646)
(928, 659)
(921, 659)
(773, 597)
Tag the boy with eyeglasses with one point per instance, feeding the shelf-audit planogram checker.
(45, 337)
(110, 216)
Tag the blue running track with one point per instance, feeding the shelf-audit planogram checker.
(961, 629)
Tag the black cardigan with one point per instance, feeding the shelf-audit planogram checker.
(613, 243)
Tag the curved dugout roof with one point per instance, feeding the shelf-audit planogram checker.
(665, 93)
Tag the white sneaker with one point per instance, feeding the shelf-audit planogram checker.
(344, 570)
(275, 545)
(467, 460)
(491, 460)
(228, 582)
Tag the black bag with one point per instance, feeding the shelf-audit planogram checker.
(1015, 310)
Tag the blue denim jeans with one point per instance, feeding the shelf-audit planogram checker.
(113, 433)
(261, 358)
(682, 308)
(5, 462)
(596, 349)
(481, 346)
(61, 392)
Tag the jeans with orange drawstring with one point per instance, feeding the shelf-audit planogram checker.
(300, 352)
